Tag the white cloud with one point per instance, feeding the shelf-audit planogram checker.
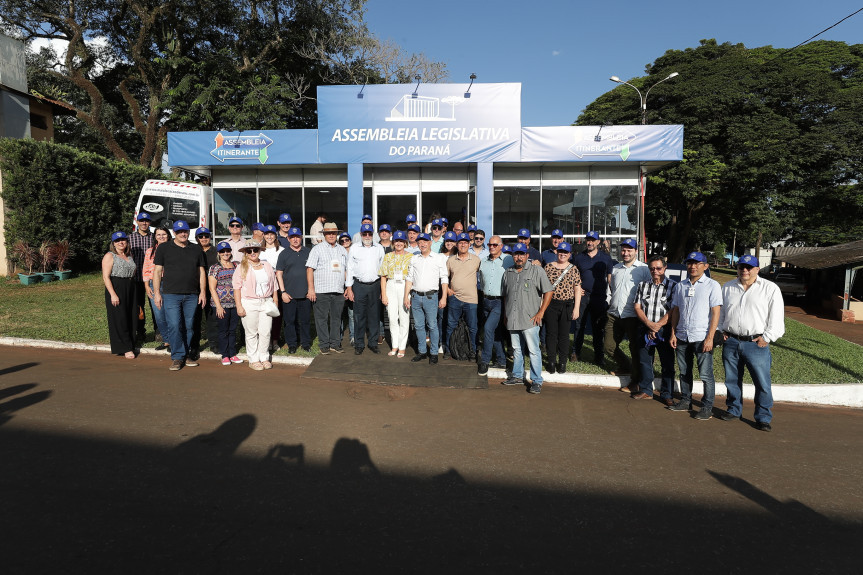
(555, 52)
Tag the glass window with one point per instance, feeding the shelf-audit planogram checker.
(613, 209)
(276, 201)
(230, 202)
(450, 205)
(565, 208)
(165, 210)
(330, 200)
(516, 207)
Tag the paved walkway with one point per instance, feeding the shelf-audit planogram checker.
(825, 320)
(114, 465)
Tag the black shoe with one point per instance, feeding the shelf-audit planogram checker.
(307, 348)
(726, 416)
(292, 349)
(499, 365)
(679, 406)
(433, 359)
(705, 414)
(561, 367)
(358, 351)
(374, 350)
(194, 355)
(512, 381)
(763, 426)
(419, 357)
(550, 368)
(482, 369)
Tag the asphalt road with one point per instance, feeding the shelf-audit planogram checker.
(109, 465)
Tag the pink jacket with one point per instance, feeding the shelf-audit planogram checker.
(248, 285)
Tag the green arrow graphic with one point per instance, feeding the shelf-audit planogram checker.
(262, 157)
(624, 152)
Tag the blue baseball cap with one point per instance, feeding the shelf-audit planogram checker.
(344, 235)
(463, 237)
(235, 219)
(524, 233)
(181, 226)
(367, 228)
(270, 229)
(411, 218)
(414, 228)
(557, 233)
(445, 221)
(119, 236)
(506, 249)
(591, 235)
(630, 243)
(143, 216)
(437, 222)
(424, 237)
(400, 236)
(519, 248)
(258, 227)
(450, 236)
(283, 218)
(471, 228)
(695, 257)
(367, 217)
(748, 260)
(564, 247)
(295, 232)
(222, 246)
(202, 230)
(385, 228)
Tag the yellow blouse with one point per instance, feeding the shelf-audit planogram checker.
(393, 263)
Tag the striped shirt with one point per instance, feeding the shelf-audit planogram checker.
(139, 245)
(655, 299)
(330, 263)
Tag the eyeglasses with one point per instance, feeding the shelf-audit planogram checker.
(367, 234)
(345, 241)
(226, 252)
(744, 267)
(235, 226)
(480, 238)
(493, 245)
(437, 227)
(204, 236)
(656, 269)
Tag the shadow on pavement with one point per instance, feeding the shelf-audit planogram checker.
(83, 505)
(14, 368)
(19, 403)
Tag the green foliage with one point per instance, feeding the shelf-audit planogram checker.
(54, 192)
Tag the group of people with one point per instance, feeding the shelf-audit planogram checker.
(426, 282)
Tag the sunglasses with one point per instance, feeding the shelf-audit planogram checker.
(478, 238)
(345, 241)
(437, 227)
(226, 251)
(656, 269)
(367, 234)
(493, 245)
(235, 226)
(204, 236)
(252, 250)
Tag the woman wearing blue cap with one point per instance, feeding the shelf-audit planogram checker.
(563, 307)
(220, 281)
(448, 247)
(118, 274)
(394, 271)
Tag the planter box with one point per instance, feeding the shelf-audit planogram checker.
(48, 277)
(31, 279)
(63, 275)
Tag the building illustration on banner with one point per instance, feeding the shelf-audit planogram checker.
(423, 109)
(614, 141)
(241, 147)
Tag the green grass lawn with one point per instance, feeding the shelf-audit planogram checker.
(74, 311)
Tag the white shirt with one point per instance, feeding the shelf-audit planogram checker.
(427, 273)
(624, 285)
(271, 255)
(757, 310)
(364, 263)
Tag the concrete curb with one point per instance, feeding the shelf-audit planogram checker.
(837, 394)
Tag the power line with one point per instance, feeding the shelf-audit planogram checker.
(819, 33)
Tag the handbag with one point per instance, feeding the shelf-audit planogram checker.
(271, 309)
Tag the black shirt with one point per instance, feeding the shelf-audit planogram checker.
(292, 264)
(182, 267)
(594, 272)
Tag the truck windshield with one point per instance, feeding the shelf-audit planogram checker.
(164, 211)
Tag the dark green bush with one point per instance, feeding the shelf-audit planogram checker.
(56, 192)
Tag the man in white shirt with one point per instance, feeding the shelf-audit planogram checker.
(364, 288)
(316, 231)
(752, 317)
(622, 318)
(423, 296)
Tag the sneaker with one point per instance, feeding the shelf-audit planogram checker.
(727, 416)
(293, 349)
(705, 414)
(482, 369)
(535, 388)
(679, 406)
(257, 366)
(512, 381)
(191, 362)
(763, 426)
(176, 365)
(324, 352)
(339, 350)
(236, 359)
(226, 361)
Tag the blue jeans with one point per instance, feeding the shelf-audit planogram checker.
(687, 353)
(424, 311)
(492, 338)
(456, 309)
(531, 338)
(666, 362)
(735, 356)
(179, 311)
(158, 315)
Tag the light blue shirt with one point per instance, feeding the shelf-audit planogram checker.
(481, 254)
(694, 302)
(491, 273)
(624, 285)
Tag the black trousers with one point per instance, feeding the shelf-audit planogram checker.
(597, 308)
(557, 320)
(367, 313)
(297, 316)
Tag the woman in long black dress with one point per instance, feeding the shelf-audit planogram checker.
(118, 274)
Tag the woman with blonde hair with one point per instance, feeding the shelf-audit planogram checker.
(254, 283)
(394, 273)
(118, 275)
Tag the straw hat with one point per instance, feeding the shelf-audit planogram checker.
(250, 244)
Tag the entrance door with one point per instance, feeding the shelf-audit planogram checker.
(454, 206)
(392, 208)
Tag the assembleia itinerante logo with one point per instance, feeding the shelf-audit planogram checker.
(610, 141)
(241, 147)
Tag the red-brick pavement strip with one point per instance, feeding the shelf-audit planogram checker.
(114, 465)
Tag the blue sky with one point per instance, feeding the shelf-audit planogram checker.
(563, 51)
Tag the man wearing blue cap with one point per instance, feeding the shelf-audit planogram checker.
(296, 305)
(526, 295)
(594, 267)
(364, 289)
(462, 300)
(139, 242)
(357, 237)
(437, 231)
(533, 255)
(752, 317)
(258, 229)
(477, 243)
(179, 284)
(622, 319)
(695, 310)
(385, 234)
(550, 255)
(425, 292)
(491, 270)
(236, 241)
(285, 225)
(413, 232)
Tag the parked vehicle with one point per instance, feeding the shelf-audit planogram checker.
(166, 202)
(791, 284)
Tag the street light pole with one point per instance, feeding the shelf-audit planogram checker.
(642, 176)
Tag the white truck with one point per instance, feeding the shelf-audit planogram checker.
(166, 202)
